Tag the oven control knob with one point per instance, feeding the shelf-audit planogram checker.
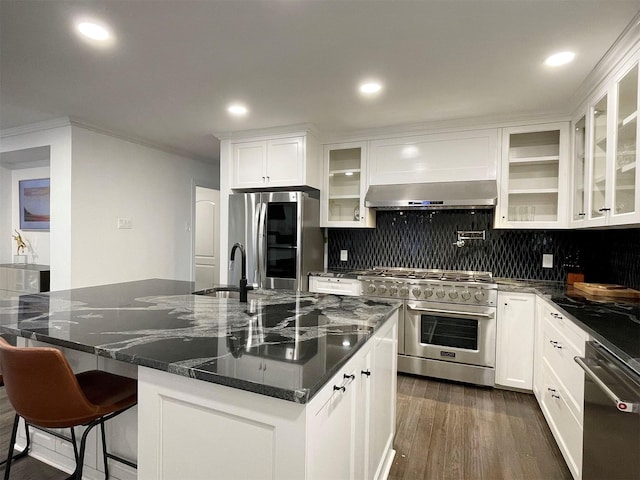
(393, 290)
(479, 296)
(371, 288)
(404, 291)
(453, 294)
(440, 293)
(382, 289)
(428, 292)
(466, 295)
(416, 292)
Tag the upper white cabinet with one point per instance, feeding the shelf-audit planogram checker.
(605, 179)
(533, 176)
(345, 185)
(443, 157)
(288, 161)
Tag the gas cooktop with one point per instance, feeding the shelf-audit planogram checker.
(450, 286)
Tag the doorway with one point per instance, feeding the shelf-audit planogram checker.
(207, 237)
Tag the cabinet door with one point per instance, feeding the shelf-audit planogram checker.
(383, 400)
(249, 161)
(514, 352)
(285, 162)
(534, 176)
(363, 459)
(345, 186)
(598, 152)
(579, 172)
(331, 431)
(625, 203)
(442, 157)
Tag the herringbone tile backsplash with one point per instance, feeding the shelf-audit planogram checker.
(425, 239)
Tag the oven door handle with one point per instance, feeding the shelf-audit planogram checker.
(415, 308)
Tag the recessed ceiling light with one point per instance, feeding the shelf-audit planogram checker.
(237, 109)
(93, 31)
(558, 59)
(369, 88)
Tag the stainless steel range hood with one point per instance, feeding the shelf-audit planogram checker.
(441, 195)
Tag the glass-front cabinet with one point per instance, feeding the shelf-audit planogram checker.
(345, 186)
(579, 201)
(610, 139)
(533, 176)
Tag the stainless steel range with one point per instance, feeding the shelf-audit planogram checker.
(449, 328)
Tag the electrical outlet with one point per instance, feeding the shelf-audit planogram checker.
(344, 255)
(547, 260)
(124, 223)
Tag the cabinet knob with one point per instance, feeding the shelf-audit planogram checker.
(366, 372)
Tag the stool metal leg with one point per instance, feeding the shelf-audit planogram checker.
(104, 450)
(14, 433)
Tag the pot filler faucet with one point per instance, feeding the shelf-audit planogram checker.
(243, 279)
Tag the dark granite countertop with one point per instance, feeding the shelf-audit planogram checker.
(280, 343)
(612, 322)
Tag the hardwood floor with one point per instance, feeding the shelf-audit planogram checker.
(444, 431)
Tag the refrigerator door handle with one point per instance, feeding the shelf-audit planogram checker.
(261, 261)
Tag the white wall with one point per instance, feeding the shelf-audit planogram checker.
(38, 242)
(115, 178)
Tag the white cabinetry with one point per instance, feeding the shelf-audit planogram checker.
(610, 145)
(559, 381)
(287, 161)
(514, 352)
(335, 285)
(344, 432)
(442, 157)
(534, 176)
(345, 185)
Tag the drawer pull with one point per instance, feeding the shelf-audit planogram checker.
(553, 395)
(351, 377)
(341, 388)
(552, 390)
(366, 372)
(555, 344)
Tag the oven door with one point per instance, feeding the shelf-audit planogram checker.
(453, 333)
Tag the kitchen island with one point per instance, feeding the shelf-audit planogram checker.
(287, 385)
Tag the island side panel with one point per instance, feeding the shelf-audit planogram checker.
(194, 429)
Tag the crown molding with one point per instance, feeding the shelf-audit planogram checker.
(36, 127)
(268, 131)
(623, 49)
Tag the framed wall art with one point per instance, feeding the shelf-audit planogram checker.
(34, 204)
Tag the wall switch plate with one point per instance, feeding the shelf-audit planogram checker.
(344, 255)
(124, 223)
(547, 260)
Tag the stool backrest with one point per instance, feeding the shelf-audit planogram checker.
(41, 386)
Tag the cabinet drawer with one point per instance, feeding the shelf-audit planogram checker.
(558, 353)
(564, 426)
(572, 333)
(335, 286)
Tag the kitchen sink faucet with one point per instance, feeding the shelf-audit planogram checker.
(243, 279)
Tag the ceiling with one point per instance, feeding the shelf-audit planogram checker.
(175, 65)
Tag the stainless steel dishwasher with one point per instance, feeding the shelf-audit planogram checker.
(611, 437)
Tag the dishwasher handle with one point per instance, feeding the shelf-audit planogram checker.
(623, 406)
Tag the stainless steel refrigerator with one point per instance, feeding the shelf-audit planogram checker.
(281, 235)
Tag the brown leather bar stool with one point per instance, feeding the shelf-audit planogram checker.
(46, 393)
